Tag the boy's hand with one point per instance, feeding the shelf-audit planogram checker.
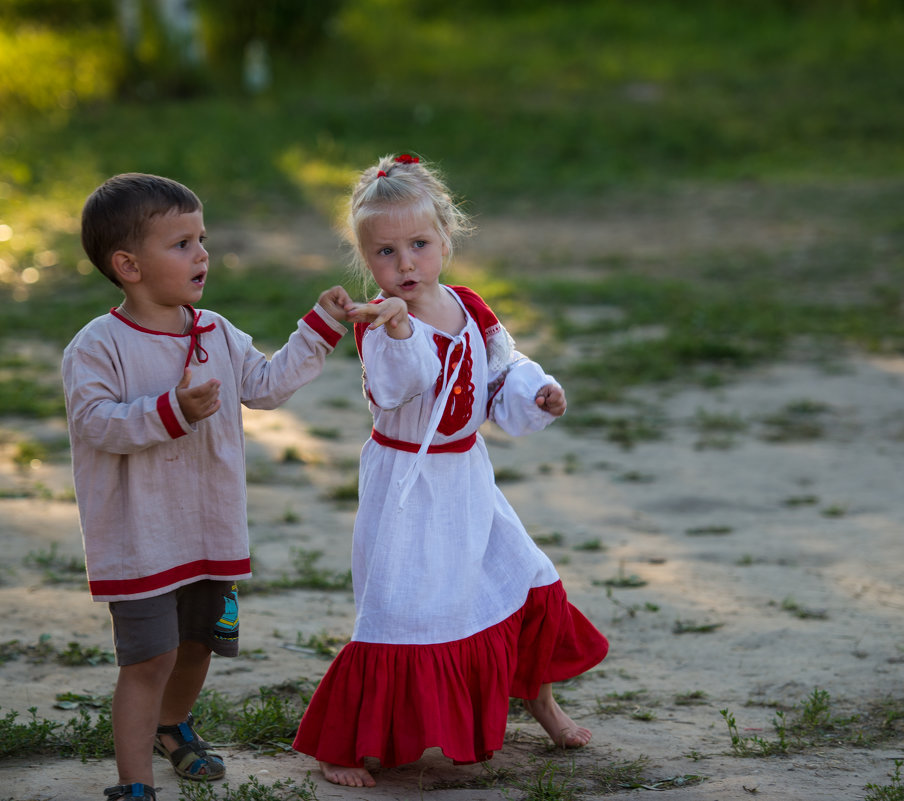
(334, 302)
(392, 312)
(199, 402)
(552, 399)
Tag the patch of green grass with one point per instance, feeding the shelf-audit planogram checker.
(812, 723)
(267, 719)
(691, 698)
(796, 421)
(508, 475)
(57, 569)
(623, 579)
(803, 612)
(307, 575)
(84, 736)
(251, 790)
(893, 791)
(595, 545)
(693, 627)
(714, 530)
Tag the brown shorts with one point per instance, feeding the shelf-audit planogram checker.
(205, 611)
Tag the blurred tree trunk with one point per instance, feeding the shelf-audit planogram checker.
(163, 43)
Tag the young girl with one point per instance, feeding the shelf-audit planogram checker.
(457, 608)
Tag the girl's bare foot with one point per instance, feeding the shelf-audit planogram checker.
(346, 776)
(564, 732)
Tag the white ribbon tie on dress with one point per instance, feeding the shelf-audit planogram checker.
(414, 469)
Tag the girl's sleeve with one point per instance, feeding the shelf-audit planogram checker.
(266, 384)
(398, 370)
(97, 415)
(514, 382)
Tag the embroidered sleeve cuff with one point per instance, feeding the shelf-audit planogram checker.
(329, 330)
(171, 415)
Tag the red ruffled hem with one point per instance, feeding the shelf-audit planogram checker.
(393, 702)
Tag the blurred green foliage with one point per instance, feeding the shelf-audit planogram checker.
(527, 106)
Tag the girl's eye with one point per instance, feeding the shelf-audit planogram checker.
(385, 251)
(420, 243)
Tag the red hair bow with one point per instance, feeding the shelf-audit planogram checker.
(406, 159)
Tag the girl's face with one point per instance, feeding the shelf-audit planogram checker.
(404, 252)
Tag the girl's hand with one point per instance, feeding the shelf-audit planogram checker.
(391, 312)
(333, 301)
(552, 399)
(198, 402)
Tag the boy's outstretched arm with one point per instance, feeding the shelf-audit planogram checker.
(551, 398)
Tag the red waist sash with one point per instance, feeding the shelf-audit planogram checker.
(455, 446)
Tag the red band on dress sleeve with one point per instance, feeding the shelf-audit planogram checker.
(168, 416)
(316, 322)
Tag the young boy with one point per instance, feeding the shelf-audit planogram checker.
(153, 396)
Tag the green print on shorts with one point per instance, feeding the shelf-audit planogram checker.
(227, 627)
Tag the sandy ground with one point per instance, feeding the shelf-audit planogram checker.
(789, 552)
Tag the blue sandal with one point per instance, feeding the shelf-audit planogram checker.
(137, 792)
(190, 759)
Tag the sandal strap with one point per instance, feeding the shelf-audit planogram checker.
(135, 791)
(190, 756)
(184, 732)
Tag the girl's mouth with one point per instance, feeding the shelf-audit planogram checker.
(199, 279)
(408, 284)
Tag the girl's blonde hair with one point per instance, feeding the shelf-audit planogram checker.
(402, 182)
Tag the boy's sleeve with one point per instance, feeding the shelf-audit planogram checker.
(267, 384)
(93, 389)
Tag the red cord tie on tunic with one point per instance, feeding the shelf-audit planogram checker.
(195, 344)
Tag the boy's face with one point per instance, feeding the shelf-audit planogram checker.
(172, 259)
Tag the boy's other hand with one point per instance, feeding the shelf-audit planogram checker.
(551, 398)
(198, 402)
(334, 302)
(391, 312)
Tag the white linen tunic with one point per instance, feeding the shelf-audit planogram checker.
(439, 554)
(163, 502)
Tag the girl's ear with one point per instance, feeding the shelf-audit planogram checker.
(125, 267)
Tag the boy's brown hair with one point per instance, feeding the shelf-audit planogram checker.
(116, 214)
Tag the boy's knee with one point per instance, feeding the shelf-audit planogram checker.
(156, 668)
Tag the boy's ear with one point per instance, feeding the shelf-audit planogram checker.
(125, 267)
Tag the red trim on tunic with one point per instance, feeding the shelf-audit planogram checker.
(201, 567)
(456, 446)
(168, 417)
(393, 702)
(326, 333)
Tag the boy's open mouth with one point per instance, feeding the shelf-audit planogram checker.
(409, 284)
(199, 278)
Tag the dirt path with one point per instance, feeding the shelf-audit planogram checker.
(750, 566)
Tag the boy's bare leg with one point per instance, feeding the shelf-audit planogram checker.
(183, 687)
(136, 709)
(348, 777)
(562, 729)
